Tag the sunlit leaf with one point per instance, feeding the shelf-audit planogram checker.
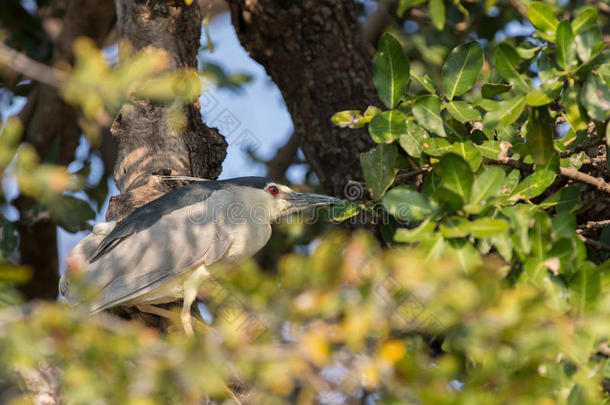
(461, 69)
(427, 112)
(390, 70)
(507, 62)
(412, 141)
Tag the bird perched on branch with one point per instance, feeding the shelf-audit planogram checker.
(162, 251)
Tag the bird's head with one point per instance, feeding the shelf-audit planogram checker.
(275, 200)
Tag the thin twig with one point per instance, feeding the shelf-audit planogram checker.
(591, 242)
(570, 172)
(29, 67)
(402, 177)
(584, 146)
(595, 224)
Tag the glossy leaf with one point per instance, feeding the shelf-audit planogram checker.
(469, 153)
(387, 126)
(456, 175)
(379, 168)
(585, 19)
(487, 184)
(575, 115)
(490, 90)
(427, 112)
(461, 69)
(505, 114)
(533, 185)
(539, 135)
(390, 70)
(566, 47)
(462, 111)
(507, 62)
(542, 17)
(595, 97)
(589, 43)
(412, 141)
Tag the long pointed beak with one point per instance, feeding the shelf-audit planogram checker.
(297, 199)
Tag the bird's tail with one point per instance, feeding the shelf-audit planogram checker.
(78, 258)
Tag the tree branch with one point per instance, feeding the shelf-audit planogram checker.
(20, 63)
(569, 172)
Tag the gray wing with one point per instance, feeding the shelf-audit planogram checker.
(147, 215)
(148, 258)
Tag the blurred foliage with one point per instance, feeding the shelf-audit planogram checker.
(389, 326)
(481, 290)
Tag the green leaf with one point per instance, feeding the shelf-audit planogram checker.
(489, 149)
(404, 235)
(585, 287)
(589, 43)
(387, 126)
(586, 19)
(469, 153)
(565, 200)
(436, 146)
(539, 234)
(413, 140)
(379, 168)
(595, 97)
(408, 205)
(575, 115)
(462, 111)
(507, 61)
(348, 118)
(456, 175)
(436, 8)
(461, 69)
(71, 213)
(346, 210)
(490, 90)
(533, 185)
(539, 135)
(425, 82)
(542, 17)
(528, 50)
(427, 112)
(564, 225)
(454, 227)
(565, 53)
(485, 227)
(390, 70)
(544, 94)
(506, 113)
(487, 184)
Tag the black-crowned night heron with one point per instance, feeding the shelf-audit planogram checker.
(161, 252)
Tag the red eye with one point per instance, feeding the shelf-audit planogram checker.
(273, 190)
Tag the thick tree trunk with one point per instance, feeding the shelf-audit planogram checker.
(146, 142)
(46, 118)
(314, 52)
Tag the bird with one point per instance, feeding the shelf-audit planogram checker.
(162, 251)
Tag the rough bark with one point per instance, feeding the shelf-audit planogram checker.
(314, 52)
(48, 119)
(147, 144)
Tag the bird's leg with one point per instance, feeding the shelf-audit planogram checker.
(191, 286)
(151, 309)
